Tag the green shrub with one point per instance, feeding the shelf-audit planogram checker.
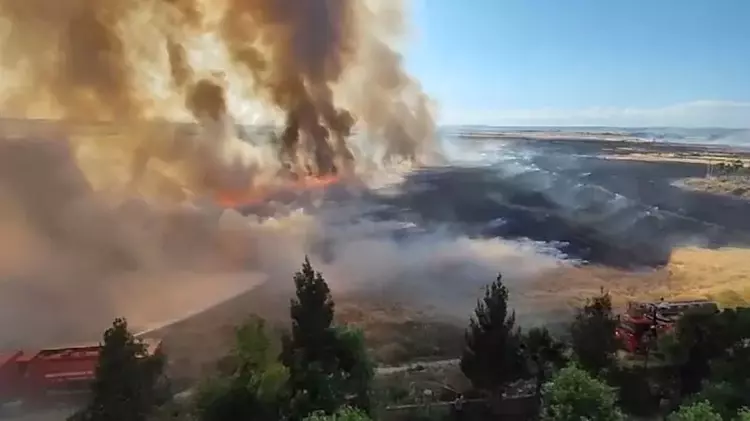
(573, 395)
(345, 413)
(698, 411)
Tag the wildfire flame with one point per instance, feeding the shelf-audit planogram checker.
(260, 194)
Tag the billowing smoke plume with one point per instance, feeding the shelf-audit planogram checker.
(74, 57)
(90, 60)
(316, 41)
(84, 259)
(89, 215)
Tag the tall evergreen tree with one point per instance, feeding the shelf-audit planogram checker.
(312, 314)
(492, 356)
(327, 367)
(126, 387)
(593, 334)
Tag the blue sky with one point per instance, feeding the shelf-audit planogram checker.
(584, 62)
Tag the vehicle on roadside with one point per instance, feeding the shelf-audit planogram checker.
(52, 375)
(643, 322)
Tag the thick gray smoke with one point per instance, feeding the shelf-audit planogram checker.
(87, 60)
(86, 257)
(122, 213)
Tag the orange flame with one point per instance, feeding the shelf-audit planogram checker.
(262, 193)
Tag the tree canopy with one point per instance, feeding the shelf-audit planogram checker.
(343, 414)
(593, 334)
(725, 359)
(574, 395)
(126, 385)
(543, 350)
(711, 346)
(492, 355)
(699, 411)
(328, 366)
(252, 383)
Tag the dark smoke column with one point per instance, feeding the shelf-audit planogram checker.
(296, 50)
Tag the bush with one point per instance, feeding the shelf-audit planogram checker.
(634, 391)
(743, 415)
(573, 395)
(699, 411)
(343, 414)
(252, 384)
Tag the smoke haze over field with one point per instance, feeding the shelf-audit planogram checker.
(86, 257)
(126, 216)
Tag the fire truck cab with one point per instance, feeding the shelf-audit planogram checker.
(643, 322)
(52, 374)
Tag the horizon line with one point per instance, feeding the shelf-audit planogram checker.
(438, 125)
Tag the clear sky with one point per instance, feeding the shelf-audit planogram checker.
(584, 62)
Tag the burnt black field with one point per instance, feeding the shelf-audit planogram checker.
(654, 217)
(619, 213)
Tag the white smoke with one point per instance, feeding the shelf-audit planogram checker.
(78, 258)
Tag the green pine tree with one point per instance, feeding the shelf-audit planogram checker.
(328, 367)
(493, 355)
(127, 384)
(593, 334)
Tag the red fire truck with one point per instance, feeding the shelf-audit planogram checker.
(643, 322)
(52, 373)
